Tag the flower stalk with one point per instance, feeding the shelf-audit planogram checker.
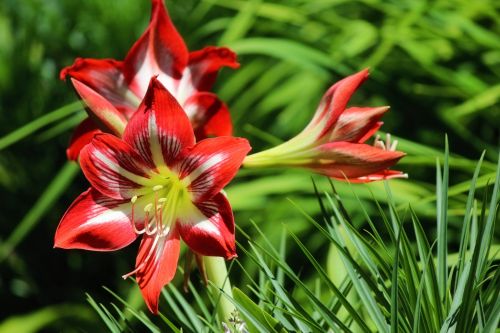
(217, 273)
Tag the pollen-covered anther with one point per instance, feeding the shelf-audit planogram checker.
(148, 207)
(157, 188)
(160, 203)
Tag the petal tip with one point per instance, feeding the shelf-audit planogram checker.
(231, 256)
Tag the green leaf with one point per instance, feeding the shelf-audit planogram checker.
(35, 125)
(253, 314)
(48, 198)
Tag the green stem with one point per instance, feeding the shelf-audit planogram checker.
(216, 270)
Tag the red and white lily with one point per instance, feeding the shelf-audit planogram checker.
(159, 51)
(332, 143)
(158, 183)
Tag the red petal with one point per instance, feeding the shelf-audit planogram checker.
(106, 78)
(209, 116)
(82, 135)
(210, 165)
(211, 231)
(95, 222)
(156, 264)
(160, 128)
(159, 51)
(101, 110)
(343, 160)
(357, 124)
(371, 131)
(335, 101)
(114, 168)
(205, 64)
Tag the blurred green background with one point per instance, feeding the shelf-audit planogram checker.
(436, 63)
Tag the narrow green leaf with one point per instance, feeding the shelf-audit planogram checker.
(36, 124)
(266, 321)
(46, 200)
(442, 224)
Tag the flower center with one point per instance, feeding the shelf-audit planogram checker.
(155, 213)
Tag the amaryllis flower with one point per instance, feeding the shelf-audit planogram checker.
(160, 51)
(158, 183)
(333, 143)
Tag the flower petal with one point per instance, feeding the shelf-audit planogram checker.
(334, 103)
(160, 128)
(95, 222)
(156, 265)
(205, 64)
(202, 70)
(210, 231)
(114, 168)
(82, 135)
(210, 165)
(106, 78)
(209, 115)
(159, 51)
(357, 124)
(343, 160)
(108, 118)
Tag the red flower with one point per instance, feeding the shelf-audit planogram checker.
(159, 51)
(158, 183)
(332, 143)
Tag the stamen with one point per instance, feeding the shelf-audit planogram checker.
(379, 143)
(147, 226)
(394, 145)
(137, 231)
(157, 226)
(388, 145)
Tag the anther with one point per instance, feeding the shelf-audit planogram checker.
(134, 199)
(148, 207)
(157, 187)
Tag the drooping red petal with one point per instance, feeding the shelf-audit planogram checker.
(357, 124)
(82, 135)
(114, 168)
(159, 51)
(209, 116)
(107, 117)
(343, 160)
(210, 165)
(106, 78)
(210, 232)
(160, 128)
(156, 263)
(95, 222)
(203, 67)
(335, 101)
